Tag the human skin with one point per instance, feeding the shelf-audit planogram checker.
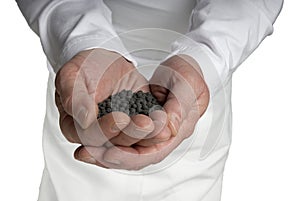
(90, 77)
(179, 85)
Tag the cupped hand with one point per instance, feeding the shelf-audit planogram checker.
(179, 86)
(87, 79)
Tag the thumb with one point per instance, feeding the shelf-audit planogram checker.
(176, 113)
(176, 93)
(175, 104)
(172, 108)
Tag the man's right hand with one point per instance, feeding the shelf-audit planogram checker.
(88, 78)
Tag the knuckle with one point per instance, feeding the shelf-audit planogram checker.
(67, 102)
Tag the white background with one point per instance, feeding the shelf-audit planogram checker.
(263, 163)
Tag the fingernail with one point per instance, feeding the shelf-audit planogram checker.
(88, 160)
(116, 127)
(113, 161)
(174, 123)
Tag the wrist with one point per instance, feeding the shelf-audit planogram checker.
(184, 63)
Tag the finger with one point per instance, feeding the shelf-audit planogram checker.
(139, 127)
(160, 121)
(68, 129)
(90, 155)
(133, 158)
(160, 133)
(137, 157)
(98, 133)
(66, 122)
(76, 101)
(164, 135)
(58, 103)
(103, 130)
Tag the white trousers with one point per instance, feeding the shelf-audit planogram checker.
(193, 171)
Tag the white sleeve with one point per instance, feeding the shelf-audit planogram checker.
(222, 34)
(67, 27)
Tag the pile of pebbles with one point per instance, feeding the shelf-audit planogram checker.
(130, 103)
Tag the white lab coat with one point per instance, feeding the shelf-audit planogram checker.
(218, 34)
